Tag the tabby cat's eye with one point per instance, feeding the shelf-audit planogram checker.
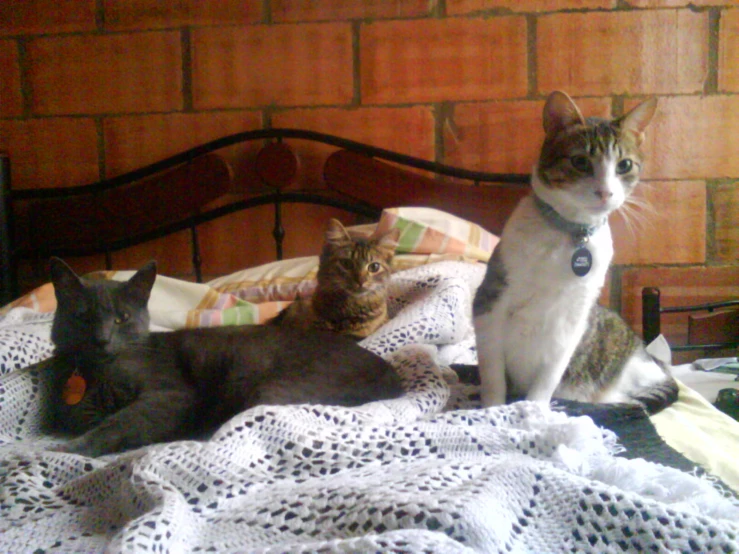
(581, 163)
(122, 317)
(374, 267)
(624, 166)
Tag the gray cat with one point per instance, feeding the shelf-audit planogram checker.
(117, 386)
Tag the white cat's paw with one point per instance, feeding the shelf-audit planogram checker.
(492, 398)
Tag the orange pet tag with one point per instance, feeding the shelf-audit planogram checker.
(74, 389)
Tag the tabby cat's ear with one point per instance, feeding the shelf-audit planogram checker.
(336, 233)
(389, 239)
(638, 118)
(139, 286)
(560, 112)
(66, 282)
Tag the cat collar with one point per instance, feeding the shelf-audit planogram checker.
(582, 259)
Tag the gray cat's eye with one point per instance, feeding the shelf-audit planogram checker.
(624, 166)
(123, 317)
(581, 163)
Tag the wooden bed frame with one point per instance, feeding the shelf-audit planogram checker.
(196, 186)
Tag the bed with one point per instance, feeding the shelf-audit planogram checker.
(428, 472)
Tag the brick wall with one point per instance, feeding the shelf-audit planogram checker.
(92, 88)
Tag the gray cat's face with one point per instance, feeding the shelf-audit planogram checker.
(589, 167)
(99, 314)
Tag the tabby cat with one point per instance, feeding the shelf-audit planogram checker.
(139, 387)
(539, 330)
(351, 293)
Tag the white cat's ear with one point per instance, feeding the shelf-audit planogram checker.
(560, 112)
(638, 118)
(336, 233)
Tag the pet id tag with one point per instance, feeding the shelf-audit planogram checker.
(582, 261)
(74, 389)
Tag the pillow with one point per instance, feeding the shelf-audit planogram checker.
(257, 294)
(431, 231)
(427, 235)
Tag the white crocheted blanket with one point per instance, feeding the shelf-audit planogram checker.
(427, 472)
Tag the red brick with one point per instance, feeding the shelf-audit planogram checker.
(456, 7)
(679, 286)
(50, 152)
(152, 14)
(341, 10)
(11, 99)
(634, 52)
(638, 229)
(106, 73)
(725, 200)
(679, 3)
(503, 137)
(172, 254)
(135, 141)
(430, 60)
(20, 17)
(728, 69)
(286, 65)
(693, 137)
(406, 130)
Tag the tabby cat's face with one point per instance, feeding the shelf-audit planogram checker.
(356, 265)
(589, 167)
(99, 314)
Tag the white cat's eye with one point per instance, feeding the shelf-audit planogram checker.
(374, 267)
(624, 166)
(121, 318)
(581, 163)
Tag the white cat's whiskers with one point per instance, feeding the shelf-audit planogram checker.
(539, 329)
(638, 213)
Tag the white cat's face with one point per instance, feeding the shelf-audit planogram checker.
(588, 168)
(598, 186)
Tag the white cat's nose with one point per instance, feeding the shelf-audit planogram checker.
(604, 194)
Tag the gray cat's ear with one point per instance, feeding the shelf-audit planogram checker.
(63, 278)
(142, 282)
(560, 112)
(638, 118)
(336, 233)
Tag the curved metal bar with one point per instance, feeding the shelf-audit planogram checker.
(709, 307)
(260, 134)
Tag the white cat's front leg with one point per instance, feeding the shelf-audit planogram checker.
(491, 357)
(549, 377)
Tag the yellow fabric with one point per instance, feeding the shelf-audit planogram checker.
(703, 434)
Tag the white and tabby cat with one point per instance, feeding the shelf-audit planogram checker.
(539, 330)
